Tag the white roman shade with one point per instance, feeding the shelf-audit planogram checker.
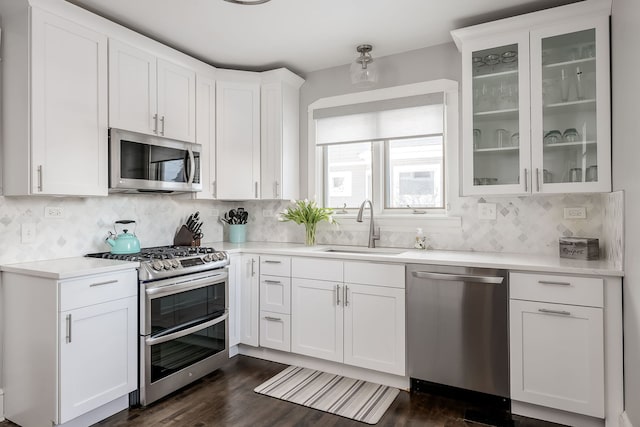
(419, 115)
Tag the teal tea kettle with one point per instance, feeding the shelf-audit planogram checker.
(125, 242)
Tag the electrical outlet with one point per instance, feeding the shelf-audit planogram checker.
(267, 213)
(53, 212)
(575, 213)
(487, 211)
(28, 232)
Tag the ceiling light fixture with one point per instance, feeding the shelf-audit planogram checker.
(248, 2)
(364, 73)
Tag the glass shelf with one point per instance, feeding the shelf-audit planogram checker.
(499, 74)
(569, 63)
(571, 106)
(564, 145)
(508, 114)
(497, 149)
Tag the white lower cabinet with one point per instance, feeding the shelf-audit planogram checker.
(317, 319)
(374, 328)
(557, 350)
(249, 297)
(82, 349)
(235, 307)
(357, 324)
(97, 355)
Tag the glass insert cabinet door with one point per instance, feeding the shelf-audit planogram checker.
(496, 118)
(570, 108)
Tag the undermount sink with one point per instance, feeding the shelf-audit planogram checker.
(381, 251)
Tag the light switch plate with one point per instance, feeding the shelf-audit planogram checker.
(487, 211)
(53, 212)
(575, 213)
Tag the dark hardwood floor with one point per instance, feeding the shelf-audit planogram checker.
(226, 398)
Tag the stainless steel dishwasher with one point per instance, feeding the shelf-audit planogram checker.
(458, 327)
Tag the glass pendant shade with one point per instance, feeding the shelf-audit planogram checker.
(364, 71)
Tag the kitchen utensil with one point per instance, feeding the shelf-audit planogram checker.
(125, 242)
(552, 137)
(509, 56)
(579, 85)
(491, 59)
(575, 175)
(515, 139)
(564, 85)
(592, 173)
(547, 176)
(571, 135)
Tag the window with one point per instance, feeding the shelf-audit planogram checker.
(390, 146)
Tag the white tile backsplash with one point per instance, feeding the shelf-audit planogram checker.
(523, 224)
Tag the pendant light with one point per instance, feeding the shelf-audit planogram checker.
(364, 72)
(247, 2)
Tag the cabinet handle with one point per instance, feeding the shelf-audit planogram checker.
(526, 180)
(40, 178)
(68, 328)
(155, 124)
(270, 261)
(253, 264)
(256, 189)
(276, 188)
(273, 319)
(346, 296)
(103, 283)
(162, 123)
(337, 295)
(562, 312)
(545, 282)
(273, 282)
(538, 180)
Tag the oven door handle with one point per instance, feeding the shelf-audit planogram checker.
(184, 332)
(160, 291)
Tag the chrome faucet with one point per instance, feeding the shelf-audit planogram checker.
(374, 234)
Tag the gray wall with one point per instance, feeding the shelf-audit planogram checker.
(432, 63)
(626, 155)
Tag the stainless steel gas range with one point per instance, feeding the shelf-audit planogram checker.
(184, 301)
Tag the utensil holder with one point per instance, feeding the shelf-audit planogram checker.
(237, 233)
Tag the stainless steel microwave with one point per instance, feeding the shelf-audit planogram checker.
(141, 163)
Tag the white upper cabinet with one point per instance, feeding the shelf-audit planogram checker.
(237, 135)
(280, 118)
(536, 102)
(54, 103)
(150, 95)
(206, 134)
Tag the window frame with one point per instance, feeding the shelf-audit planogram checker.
(316, 165)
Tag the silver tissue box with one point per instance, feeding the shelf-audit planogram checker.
(584, 248)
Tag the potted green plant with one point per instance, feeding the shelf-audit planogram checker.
(308, 213)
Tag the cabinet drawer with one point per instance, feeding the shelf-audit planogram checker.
(275, 331)
(97, 289)
(275, 294)
(319, 269)
(587, 291)
(370, 273)
(275, 265)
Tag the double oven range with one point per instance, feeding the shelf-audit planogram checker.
(183, 321)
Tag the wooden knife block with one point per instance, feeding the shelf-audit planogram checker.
(185, 238)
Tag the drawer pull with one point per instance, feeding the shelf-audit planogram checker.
(269, 261)
(337, 295)
(273, 319)
(273, 282)
(562, 312)
(546, 282)
(108, 282)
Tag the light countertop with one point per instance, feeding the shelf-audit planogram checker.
(68, 268)
(508, 261)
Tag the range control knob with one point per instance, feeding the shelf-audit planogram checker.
(207, 258)
(156, 265)
(167, 264)
(214, 256)
(221, 255)
(175, 263)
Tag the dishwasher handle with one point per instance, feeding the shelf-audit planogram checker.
(458, 277)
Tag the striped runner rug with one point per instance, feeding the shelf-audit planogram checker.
(354, 399)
